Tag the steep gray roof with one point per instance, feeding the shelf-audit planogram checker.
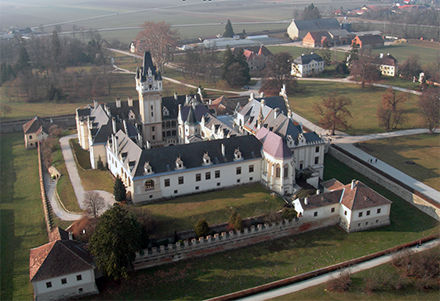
(307, 58)
(148, 64)
(317, 24)
(199, 111)
(163, 160)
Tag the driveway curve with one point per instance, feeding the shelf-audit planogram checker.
(74, 176)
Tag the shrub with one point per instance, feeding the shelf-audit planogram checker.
(289, 213)
(100, 165)
(202, 228)
(341, 283)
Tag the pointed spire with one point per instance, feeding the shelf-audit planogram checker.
(191, 119)
(260, 117)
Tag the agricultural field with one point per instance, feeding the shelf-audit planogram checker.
(262, 263)
(416, 156)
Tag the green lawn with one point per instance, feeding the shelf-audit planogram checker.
(22, 220)
(82, 156)
(418, 156)
(262, 263)
(365, 103)
(427, 53)
(215, 207)
(295, 51)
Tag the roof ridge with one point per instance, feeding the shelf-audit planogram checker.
(61, 241)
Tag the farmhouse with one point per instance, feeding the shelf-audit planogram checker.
(298, 29)
(388, 65)
(308, 64)
(358, 206)
(256, 56)
(332, 37)
(35, 130)
(368, 41)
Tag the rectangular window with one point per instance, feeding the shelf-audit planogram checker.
(378, 211)
(217, 174)
(176, 191)
(368, 212)
(345, 212)
(198, 177)
(167, 182)
(360, 214)
(315, 214)
(197, 187)
(238, 171)
(316, 160)
(78, 277)
(152, 128)
(333, 209)
(63, 280)
(208, 175)
(152, 114)
(218, 184)
(238, 180)
(251, 168)
(180, 180)
(48, 284)
(30, 136)
(317, 149)
(286, 172)
(251, 179)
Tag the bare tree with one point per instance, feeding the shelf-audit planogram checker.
(365, 70)
(390, 111)
(94, 203)
(430, 106)
(160, 40)
(334, 112)
(5, 109)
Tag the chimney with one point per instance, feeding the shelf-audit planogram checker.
(187, 99)
(130, 101)
(317, 191)
(353, 184)
(118, 102)
(114, 125)
(388, 54)
(116, 146)
(302, 54)
(262, 94)
(251, 96)
(107, 109)
(263, 102)
(223, 150)
(175, 96)
(381, 55)
(306, 201)
(95, 104)
(311, 52)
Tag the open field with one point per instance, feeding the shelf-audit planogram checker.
(356, 290)
(22, 223)
(215, 207)
(114, 15)
(262, 263)
(365, 103)
(298, 51)
(418, 156)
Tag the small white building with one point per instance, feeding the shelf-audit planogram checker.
(307, 64)
(35, 130)
(61, 269)
(359, 207)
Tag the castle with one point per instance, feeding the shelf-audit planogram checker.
(169, 146)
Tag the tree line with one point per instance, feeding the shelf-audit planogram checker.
(35, 69)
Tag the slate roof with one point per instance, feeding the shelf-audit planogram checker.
(163, 159)
(36, 124)
(388, 60)
(274, 102)
(307, 58)
(142, 72)
(172, 104)
(321, 200)
(317, 24)
(370, 39)
(123, 111)
(273, 144)
(199, 111)
(362, 197)
(129, 151)
(191, 119)
(58, 258)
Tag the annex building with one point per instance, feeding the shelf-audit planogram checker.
(170, 146)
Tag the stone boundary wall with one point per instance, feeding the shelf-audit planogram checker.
(412, 196)
(47, 208)
(295, 279)
(227, 241)
(64, 121)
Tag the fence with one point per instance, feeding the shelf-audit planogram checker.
(46, 204)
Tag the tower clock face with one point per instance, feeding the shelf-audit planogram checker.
(150, 79)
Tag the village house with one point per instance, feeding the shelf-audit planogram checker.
(307, 64)
(368, 41)
(256, 56)
(358, 206)
(388, 65)
(35, 130)
(332, 37)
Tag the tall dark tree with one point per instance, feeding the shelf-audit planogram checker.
(229, 31)
(119, 190)
(334, 112)
(115, 242)
(390, 111)
(311, 13)
(228, 60)
(240, 58)
(277, 73)
(411, 67)
(353, 54)
(23, 65)
(430, 108)
(326, 54)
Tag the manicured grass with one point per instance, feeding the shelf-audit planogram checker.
(417, 155)
(82, 156)
(22, 223)
(262, 263)
(364, 108)
(295, 51)
(399, 82)
(356, 290)
(215, 207)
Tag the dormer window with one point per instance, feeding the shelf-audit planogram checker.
(165, 112)
(131, 115)
(147, 168)
(301, 139)
(290, 141)
(206, 159)
(179, 163)
(237, 155)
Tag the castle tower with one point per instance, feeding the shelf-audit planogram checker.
(149, 87)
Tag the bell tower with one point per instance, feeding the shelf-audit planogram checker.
(149, 87)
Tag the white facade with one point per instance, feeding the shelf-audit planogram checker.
(66, 286)
(301, 70)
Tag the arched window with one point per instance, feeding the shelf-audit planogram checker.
(286, 171)
(277, 171)
(149, 185)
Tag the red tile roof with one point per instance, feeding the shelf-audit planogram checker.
(332, 184)
(361, 196)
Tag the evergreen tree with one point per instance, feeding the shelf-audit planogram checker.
(229, 32)
(115, 242)
(326, 54)
(228, 60)
(23, 65)
(202, 228)
(119, 190)
(241, 59)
